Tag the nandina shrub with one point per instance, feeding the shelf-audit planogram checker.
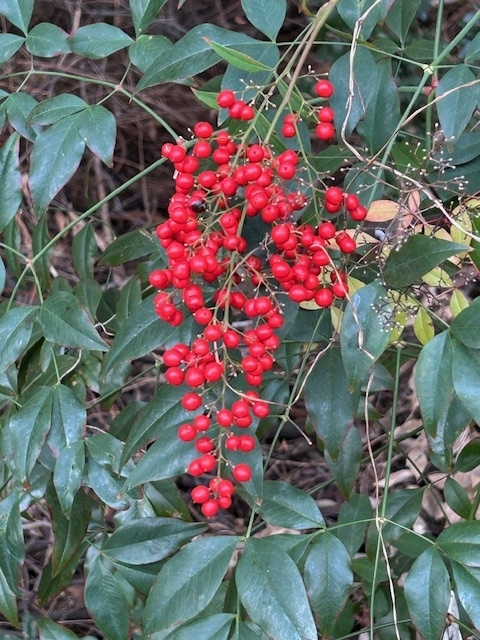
(320, 239)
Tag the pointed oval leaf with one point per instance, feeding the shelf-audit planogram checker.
(237, 58)
(67, 475)
(146, 49)
(12, 546)
(427, 591)
(417, 257)
(469, 457)
(458, 302)
(46, 40)
(18, 106)
(15, 330)
(353, 516)
(461, 542)
(97, 127)
(456, 102)
(9, 45)
(215, 627)
(49, 630)
(149, 539)
(423, 326)
(47, 178)
(19, 12)
(286, 506)
(352, 11)
(267, 15)
(10, 181)
(466, 325)
(347, 465)
(66, 323)
(187, 582)
(467, 589)
(144, 13)
(400, 16)
(69, 413)
(466, 377)
(328, 578)
(106, 601)
(272, 591)
(8, 604)
(54, 109)
(457, 498)
(128, 246)
(84, 251)
(98, 40)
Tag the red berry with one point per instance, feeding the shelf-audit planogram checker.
(323, 297)
(346, 244)
(326, 114)
(358, 214)
(240, 409)
(242, 472)
(334, 195)
(191, 401)
(324, 89)
(200, 494)
(224, 502)
(232, 443)
(247, 443)
(202, 423)
(210, 508)
(225, 488)
(203, 130)
(225, 98)
(260, 409)
(325, 131)
(204, 445)
(224, 417)
(207, 462)
(194, 377)
(187, 432)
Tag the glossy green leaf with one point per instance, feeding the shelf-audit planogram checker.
(460, 150)
(50, 586)
(433, 381)
(237, 58)
(17, 107)
(215, 627)
(149, 539)
(472, 50)
(106, 601)
(10, 180)
(47, 178)
(187, 582)
(67, 475)
(47, 40)
(400, 16)
(328, 578)
(353, 516)
(283, 505)
(9, 45)
(417, 257)
(128, 246)
(449, 429)
(49, 630)
(427, 591)
(53, 109)
(8, 603)
(97, 127)
(272, 591)
(383, 112)
(351, 11)
(12, 546)
(106, 485)
(98, 40)
(365, 331)
(461, 542)
(130, 299)
(457, 498)
(15, 330)
(146, 49)
(191, 55)
(466, 377)
(364, 83)
(244, 632)
(25, 432)
(144, 13)
(469, 457)
(456, 102)
(347, 465)
(66, 323)
(69, 413)
(466, 325)
(84, 251)
(19, 12)
(267, 15)
(467, 589)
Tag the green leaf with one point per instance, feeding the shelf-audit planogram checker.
(18, 106)
(283, 505)
(53, 109)
(49, 630)
(146, 49)
(47, 41)
(98, 40)
(149, 539)
(215, 627)
(427, 591)
(191, 55)
(68, 413)
(328, 400)
(466, 325)
(267, 15)
(8, 604)
(106, 601)
(237, 58)
(12, 546)
(467, 589)
(144, 13)
(469, 457)
(433, 381)
(354, 516)
(47, 178)
(456, 103)
(25, 432)
(140, 333)
(9, 45)
(365, 331)
(3, 278)
(19, 12)
(364, 83)
(67, 475)
(417, 257)
(84, 251)
(346, 467)
(383, 112)
(472, 50)
(66, 323)
(460, 150)
(351, 11)
(187, 582)
(461, 542)
(328, 578)
(128, 246)
(97, 127)
(466, 377)
(457, 498)
(272, 591)
(400, 16)
(15, 330)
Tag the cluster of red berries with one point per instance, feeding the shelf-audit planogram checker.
(219, 183)
(324, 129)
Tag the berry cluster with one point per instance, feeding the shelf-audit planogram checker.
(212, 274)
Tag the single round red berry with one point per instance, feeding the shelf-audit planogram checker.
(210, 508)
(187, 432)
(242, 472)
(200, 494)
(324, 89)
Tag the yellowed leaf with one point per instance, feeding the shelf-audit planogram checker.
(382, 211)
(423, 327)
(458, 302)
(437, 277)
